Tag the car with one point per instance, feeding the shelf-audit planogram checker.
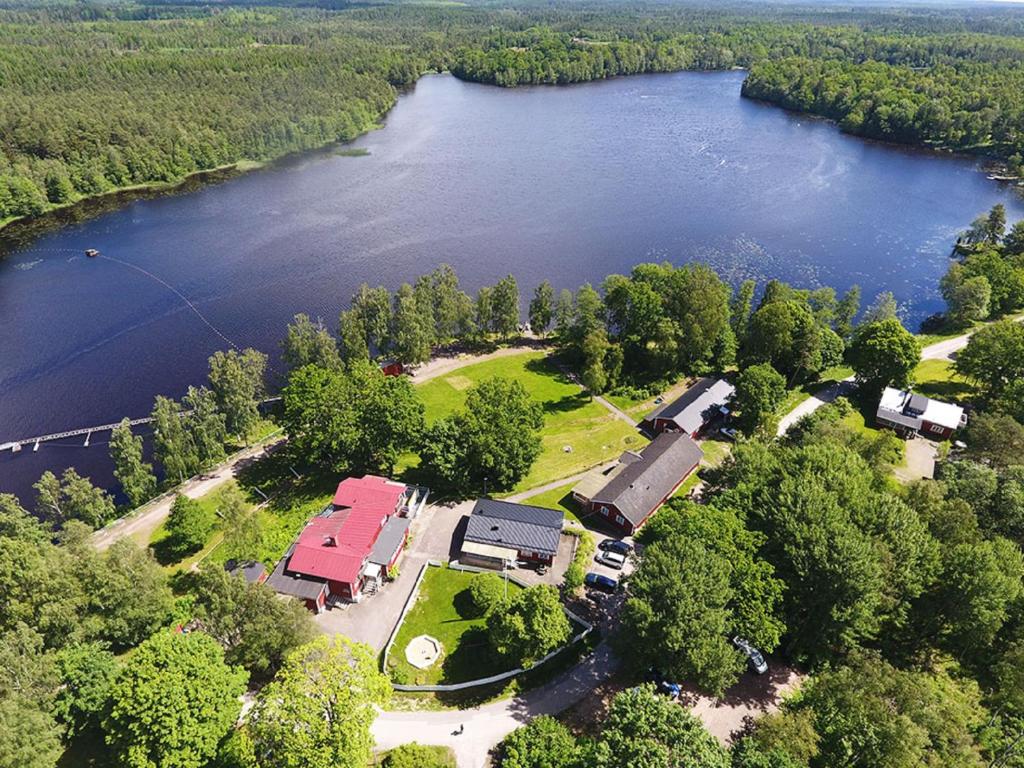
(729, 432)
(615, 545)
(611, 559)
(600, 582)
(755, 659)
(662, 685)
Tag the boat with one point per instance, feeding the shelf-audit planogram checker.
(92, 253)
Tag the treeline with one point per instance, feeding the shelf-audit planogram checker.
(955, 99)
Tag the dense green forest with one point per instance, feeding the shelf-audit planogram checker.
(97, 97)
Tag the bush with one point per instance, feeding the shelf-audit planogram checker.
(418, 756)
(189, 525)
(487, 591)
(577, 569)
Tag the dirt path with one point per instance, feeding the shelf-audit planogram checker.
(144, 521)
(439, 366)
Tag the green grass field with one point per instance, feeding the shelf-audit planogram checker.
(936, 378)
(444, 611)
(558, 498)
(571, 419)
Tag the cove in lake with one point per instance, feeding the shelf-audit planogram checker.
(567, 184)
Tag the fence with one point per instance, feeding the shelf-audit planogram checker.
(457, 566)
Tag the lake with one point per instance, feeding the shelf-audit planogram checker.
(568, 184)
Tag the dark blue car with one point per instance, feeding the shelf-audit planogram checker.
(598, 581)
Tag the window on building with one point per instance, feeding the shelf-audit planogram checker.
(620, 520)
(604, 511)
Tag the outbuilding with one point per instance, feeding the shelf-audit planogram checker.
(692, 411)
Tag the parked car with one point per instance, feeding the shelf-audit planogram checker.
(664, 686)
(611, 559)
(615, 545)
(729, 432)
(600, 582)
(755, 660)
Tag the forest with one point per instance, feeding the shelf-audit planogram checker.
(100, 97)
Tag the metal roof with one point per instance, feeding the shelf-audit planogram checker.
(637, 490)
(250, 570)
(293, 584)
(696, 406)
(520, 526)
(390, 539)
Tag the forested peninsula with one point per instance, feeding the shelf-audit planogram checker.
(100, 97)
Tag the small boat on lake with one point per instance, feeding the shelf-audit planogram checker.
(92, 253)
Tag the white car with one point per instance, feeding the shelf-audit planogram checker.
(611, 559)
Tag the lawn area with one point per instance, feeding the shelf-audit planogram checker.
(640, 408)
(444, 611)
(798, 394)
(558, 498)
(936, 378)
(571, 419)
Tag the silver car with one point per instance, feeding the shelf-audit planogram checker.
(755, 659)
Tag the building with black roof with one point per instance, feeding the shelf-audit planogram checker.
(693, 410)
(500, 531)
(635, 492)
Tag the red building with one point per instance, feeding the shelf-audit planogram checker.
(346, 551)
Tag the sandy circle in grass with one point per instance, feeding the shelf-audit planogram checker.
(423, 651)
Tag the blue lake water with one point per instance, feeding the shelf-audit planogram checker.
(568, 184)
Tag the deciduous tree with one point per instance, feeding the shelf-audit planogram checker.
(189, 525)
(760, 390)
(308, 343)
(542, 308)
(135, 475)
(73, 497)
(884, 354)
(529, 626)
(994, 356)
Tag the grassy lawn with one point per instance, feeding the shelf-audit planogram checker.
(640, 408)
(798, 394)
(936, 378)
(715, 451)
(558, 498)
(444, 611)
(571, 419)
(211, 502)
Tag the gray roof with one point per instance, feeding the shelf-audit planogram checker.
(250, 570)
(696, 406)
(520, 526)
(389, 539)
(294, 584)
(637, 490)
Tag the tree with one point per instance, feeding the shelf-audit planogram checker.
(173, 702)
(87, 673)
(206, 426)
(73, 497)
(564, 310)
(505, 307)
(1013, 243)
(493, 442)
(884, 307)
(373, 308)
(994, 356)
(136, 476)
(676, 617)
(450, 305)
(784, 334)
(697, 301)
(883, 354)
(1004, 276)
(189, 525)
(255, 628)
(846, 311)
(529, 626)
(352, 344)
(411, 328)
(308, 343)
(746, 753)
(542, 308)
(29, 736)
(318, 710)
(760, 390)
(16, 522)
(541, 743)
(995, 438)
(237, 381)
(645, 729)
(740, 307)
(173, 446)
(356, 419)
(996, 223)
(487, 591)
(127, 591)
(967, 298)
(243, 535)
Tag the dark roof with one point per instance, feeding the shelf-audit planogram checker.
(294, 584)
(692, 409)
(518, 526)
(917, 404)
(389, 540)
(250, 570)
(638, 489)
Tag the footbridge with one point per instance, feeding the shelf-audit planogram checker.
(16, 445)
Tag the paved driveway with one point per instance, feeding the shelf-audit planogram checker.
(371, 620)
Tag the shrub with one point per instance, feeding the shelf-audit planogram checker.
(577, 568)
(419, 756)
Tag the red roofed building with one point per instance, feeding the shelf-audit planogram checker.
(346, 551)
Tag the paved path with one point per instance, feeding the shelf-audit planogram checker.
(524, 495)
(488, 724)
(142, 523)
(814, 402)
(615, 410)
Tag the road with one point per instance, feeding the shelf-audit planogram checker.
(142, 523)
(488, 724)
